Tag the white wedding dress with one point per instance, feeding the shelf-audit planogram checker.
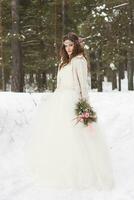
(59, 153)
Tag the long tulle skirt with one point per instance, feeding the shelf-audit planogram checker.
(63, 154)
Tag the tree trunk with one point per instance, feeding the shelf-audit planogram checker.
(2, 70)
(119, 76)
(130, 67)
(39, 81)
(109, 74)
(17, 80)
(44, 80)
(130, 71)
(99, 83)
(93, 69)
(123, 54)
(114, 80)
(99, 70)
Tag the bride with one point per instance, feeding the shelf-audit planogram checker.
(61, 153)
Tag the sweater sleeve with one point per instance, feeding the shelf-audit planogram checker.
(81, 72)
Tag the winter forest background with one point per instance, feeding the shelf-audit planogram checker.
(30, 38)
(31, 33)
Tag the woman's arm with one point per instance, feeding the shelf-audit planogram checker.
(81, 72)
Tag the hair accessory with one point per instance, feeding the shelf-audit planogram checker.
(67, 42)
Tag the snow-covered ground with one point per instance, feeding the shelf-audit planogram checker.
(116, 116)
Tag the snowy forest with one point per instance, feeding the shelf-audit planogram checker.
(30, 37)
(31, 34)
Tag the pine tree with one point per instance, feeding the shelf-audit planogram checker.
(17, 68)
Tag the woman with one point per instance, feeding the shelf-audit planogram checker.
(61, 153)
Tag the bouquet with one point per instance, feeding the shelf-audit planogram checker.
(84, 112)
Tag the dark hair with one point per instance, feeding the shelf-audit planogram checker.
(78, 49)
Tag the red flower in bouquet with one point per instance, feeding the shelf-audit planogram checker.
(86, 115)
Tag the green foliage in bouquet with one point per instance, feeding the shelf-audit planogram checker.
(85, 112)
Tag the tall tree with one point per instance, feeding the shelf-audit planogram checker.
(44, 22)
(130, 68)
(17, 69)
(2, 72)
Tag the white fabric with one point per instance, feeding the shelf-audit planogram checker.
(78, 80)
(59, 153)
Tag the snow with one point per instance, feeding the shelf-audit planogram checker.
(116, 116)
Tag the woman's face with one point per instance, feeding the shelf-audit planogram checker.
(69, 46)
